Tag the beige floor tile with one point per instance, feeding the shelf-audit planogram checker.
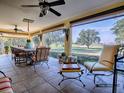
(73, 88)
(19, 87)
(44, 88)
(44, 80)
(34, 82)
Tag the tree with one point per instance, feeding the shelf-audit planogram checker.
(118, 29)
(18, 41)
(36, 40)
(56, 38)
(87, 37)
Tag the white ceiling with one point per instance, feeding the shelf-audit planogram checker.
(12, 13)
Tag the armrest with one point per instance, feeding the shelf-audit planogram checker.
(3, 73)
(6, 76)
(108, 61)
(93, 67)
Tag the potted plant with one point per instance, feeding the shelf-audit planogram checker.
(6, 49)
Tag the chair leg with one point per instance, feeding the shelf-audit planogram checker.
(34, 67)
(15, 60)
(94, 79)
(101, 85)
(47, 64)
(41, 63)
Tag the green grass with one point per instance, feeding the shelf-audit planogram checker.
(79, 50)
(82, 52)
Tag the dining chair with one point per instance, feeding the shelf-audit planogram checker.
(18, 55)
(105, 63)
(40, 56)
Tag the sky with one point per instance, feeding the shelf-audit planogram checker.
(103, 27)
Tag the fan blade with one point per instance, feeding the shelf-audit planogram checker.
(16, 30)
(29, 5)
(54, 11)
(55, 3)
(20, 30)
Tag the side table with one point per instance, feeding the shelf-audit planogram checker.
(71, 68)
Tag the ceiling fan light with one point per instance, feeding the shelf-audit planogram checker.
(41, 14)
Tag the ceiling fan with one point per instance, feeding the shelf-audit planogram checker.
(45, 6)
(16, 29)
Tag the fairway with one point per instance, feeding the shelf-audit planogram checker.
(77, 50)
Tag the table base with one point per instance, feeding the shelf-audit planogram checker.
(76, 78)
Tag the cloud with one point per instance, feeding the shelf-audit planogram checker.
(101, 29)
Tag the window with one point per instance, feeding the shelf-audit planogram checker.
(54, 40)
(88, 39)
(7, 41)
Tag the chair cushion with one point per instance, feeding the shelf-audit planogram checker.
(5, 86)
(97, 67)
(4, 79)
(7, 90)
(107, 55)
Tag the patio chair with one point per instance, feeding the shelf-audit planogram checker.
(18, 55)
(41, 56)
(5, 84)
(105, 63)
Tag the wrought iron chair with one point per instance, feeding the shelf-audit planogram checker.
(40, 56)
(106, 62)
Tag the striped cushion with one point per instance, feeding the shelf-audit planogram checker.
(7, 90)
(4, 79)
(5, 86)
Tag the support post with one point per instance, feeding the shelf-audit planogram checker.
(68, 38)
(41, 39)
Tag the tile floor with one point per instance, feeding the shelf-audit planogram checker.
(44, 80)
